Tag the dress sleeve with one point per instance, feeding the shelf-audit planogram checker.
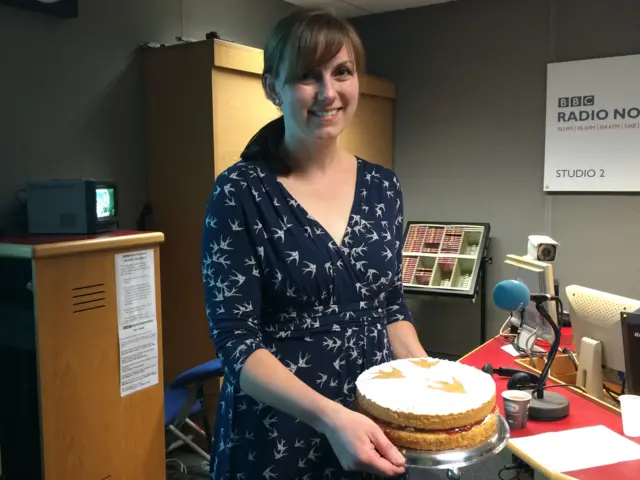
(231, 273)
(396, 306)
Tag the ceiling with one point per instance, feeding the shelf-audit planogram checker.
(355, 8)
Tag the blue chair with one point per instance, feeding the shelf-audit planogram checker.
(183, 398)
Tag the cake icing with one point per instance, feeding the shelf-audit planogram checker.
(428, 403)
(426, 386)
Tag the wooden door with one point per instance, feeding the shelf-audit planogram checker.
(240, 109)
(370, 134)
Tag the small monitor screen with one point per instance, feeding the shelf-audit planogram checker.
(105, 202)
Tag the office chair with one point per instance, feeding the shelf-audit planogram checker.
(183, 398)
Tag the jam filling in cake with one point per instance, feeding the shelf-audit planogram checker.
(429, 404)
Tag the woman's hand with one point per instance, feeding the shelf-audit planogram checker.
(360, 444)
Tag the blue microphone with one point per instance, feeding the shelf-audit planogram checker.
(511, 295)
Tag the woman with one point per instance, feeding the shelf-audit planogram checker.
(301, 264)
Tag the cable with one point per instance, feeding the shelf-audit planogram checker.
(182, 466)
(572, 357)
(502, 332)
(199, 467)
(526, 352)
(558, 385)
(611, 394)
(529, 344)
(507, 468)
(565, 385)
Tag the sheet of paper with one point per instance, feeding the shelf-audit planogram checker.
(510, 349)
(137, 321)
(578, 448)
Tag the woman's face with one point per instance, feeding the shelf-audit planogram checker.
(319, 105)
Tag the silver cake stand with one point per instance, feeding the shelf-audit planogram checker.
(453, 460)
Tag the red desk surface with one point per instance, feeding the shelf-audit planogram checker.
(583, 413)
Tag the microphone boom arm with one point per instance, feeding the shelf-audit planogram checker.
(539, 390)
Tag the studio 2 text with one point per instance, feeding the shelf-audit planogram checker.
(581, 173)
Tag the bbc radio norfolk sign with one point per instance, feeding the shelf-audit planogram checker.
(592, 141)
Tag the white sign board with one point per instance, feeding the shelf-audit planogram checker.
(592, 140)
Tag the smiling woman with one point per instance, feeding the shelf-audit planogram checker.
(302, 272)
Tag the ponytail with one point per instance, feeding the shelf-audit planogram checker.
(266, 145)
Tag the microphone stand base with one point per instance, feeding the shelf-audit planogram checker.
(553, 406)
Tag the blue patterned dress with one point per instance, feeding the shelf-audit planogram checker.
(275, 279)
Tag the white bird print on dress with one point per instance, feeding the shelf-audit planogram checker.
(210, 221)
(293, 256)
(370, 273)
(360, 265)
(313, 455)
(279, 233)
(310, 269)
(323, 378)
(372, 236)
(235, 226)
(277, 279)
(237, 277)
(268, 474)
(228, 188)
(281, 450)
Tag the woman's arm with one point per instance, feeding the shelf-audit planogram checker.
(267, 380)
(404, 340)
(357, 441)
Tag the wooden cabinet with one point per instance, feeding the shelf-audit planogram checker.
(62, 414)
(204, 102)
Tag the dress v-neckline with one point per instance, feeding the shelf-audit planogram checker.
(353, 210)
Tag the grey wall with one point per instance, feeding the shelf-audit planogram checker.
(71, 91)
(470, 120)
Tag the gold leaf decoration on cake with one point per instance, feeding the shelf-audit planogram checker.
(394, 373)
(425, 362)
(449, 387)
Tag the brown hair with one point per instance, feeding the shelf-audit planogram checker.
(300, 42)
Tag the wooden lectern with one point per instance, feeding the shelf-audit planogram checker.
(63, 414)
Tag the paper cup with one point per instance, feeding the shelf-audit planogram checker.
(630, 408)
(516, 407)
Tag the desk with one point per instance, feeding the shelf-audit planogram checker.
(584, 413)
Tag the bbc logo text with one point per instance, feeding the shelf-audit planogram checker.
(576, 101)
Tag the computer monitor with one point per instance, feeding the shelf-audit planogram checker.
(597, 334)
(538, 277)
(631, 340)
